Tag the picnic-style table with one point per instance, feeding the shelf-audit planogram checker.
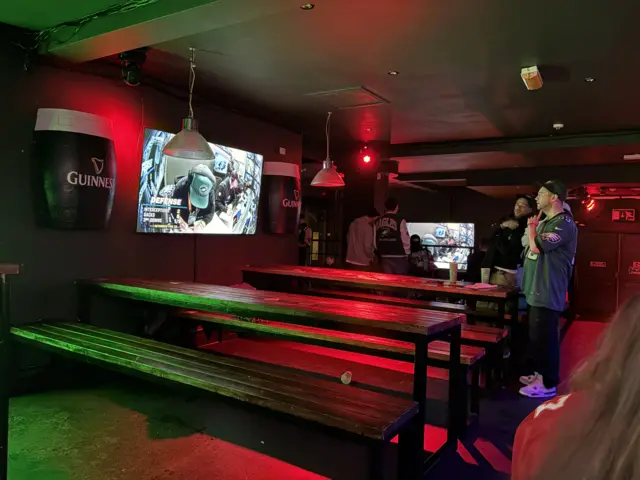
(6, 270)
(420, 327)
(287, 278)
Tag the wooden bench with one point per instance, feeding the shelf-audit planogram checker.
(477, 335)
(364, 416)
(407, 302)
(438, 353)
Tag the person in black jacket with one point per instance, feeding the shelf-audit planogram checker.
(504, 256)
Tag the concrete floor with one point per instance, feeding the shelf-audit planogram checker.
(127, 429)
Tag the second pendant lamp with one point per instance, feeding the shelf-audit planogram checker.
(328, 176)
(188, 143)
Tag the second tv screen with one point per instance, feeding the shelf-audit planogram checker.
(448, 242)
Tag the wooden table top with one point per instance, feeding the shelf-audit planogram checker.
(9, 269)
(286, 307)
(372, 279)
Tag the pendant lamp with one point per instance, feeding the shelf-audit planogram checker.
(188, 143)
(328, 176)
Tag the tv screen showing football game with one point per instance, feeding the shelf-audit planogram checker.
(448, 242)
(189, 196)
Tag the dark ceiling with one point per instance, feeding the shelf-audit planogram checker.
(458, 61)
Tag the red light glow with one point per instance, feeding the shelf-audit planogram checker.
(591, 204)
(366, 159)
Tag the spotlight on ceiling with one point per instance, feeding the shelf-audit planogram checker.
(589, 79)
(131, 63)
(393, 73)
(307, 6)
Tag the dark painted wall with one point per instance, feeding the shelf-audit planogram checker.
(599, 220)
(456, 204)
(54, 259)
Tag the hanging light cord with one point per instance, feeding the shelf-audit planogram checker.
(327, 131)
(192, 79)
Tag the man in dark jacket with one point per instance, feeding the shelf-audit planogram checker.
(392, 240)
(504, 256)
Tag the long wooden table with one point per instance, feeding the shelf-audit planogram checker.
(6, 270)
(281, 277)
(419, 327)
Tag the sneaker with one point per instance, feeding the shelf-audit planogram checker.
(538, 390)
(529, 379)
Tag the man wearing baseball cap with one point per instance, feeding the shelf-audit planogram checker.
(196, 192)
(547, 271)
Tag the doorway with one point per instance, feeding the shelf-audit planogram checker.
(607, 272)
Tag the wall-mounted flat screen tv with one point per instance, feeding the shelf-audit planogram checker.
(448, 242)
(176, 195)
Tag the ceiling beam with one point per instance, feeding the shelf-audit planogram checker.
(513, 144)
(572, 175)
(159, 22)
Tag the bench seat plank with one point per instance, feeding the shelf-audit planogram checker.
(473, 332)
(438, 350)
(369, 414)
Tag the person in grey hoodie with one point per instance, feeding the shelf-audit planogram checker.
(360, 249)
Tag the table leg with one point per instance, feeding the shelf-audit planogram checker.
(411, 441)
(5, 331)
(84, 303)
(457, 390)
(502, 310)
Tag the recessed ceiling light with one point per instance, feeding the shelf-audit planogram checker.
(589, 79)
(371, 129)
(308, 6)
(393, 73)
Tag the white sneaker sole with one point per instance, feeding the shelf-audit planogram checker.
(540, 394)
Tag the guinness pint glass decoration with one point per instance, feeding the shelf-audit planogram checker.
(74, 170)
(281, 197)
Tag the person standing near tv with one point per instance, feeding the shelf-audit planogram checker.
(196, 193)
(392, 242)
(304, 241)
(504, 256)
(548, 267)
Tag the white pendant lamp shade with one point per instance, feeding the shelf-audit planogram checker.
(188, 143)
(328, 177)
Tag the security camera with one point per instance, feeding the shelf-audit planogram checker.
(131, 63)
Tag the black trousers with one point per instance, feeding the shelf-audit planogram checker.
(303, 256)
(545, 339)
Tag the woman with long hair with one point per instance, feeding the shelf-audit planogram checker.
(594, 432)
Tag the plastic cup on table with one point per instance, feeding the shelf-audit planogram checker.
(453, 272)
(485, 275)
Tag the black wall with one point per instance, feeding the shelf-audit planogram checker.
(52, 260)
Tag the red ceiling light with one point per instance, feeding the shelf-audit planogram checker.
(366, 154)
(590, 204)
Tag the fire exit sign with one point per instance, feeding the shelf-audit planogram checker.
(623, 215)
